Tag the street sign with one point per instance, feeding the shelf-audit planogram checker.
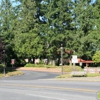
(26, 60)
(74, 59)
(12, 61)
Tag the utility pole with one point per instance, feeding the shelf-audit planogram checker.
(61, 48)
(2, 56)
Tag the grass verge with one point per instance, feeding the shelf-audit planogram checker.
(40, 66)
(69, 69)
(93, 74)
(99, 95)
(14, 73)
(87, 75)
(72, 68)
(10, 72)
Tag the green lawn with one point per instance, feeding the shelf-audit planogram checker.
(99, 95)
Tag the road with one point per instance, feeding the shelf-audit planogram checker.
(42, 86)
(32, 75)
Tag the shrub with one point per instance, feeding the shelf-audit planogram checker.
(39, 65)
(34, 65)
(96, 57)
(2, 65)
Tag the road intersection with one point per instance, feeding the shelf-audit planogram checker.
(42, 86)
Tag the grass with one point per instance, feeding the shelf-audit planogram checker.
(40, 66)
(1, 74)
(93, 74)
(14, 73)
(99, 95)
(69, 75)
(71, 68)
(64, 76)
(65, 68)
(10, 72)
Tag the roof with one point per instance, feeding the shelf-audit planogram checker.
(84, 61)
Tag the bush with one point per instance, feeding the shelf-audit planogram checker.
(39, 65)
(96, 57)
(2, 65)
(34, 65)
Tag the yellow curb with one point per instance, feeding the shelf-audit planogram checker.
(52, 87)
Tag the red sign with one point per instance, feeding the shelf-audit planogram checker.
(12, 61)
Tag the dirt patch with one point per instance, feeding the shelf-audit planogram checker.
(57, 70)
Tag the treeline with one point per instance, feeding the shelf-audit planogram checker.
(37, 28)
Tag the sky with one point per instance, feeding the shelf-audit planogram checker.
(14, 4)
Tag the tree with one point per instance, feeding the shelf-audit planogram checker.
(28, 45)
(37, 28)
(2, 52)
(84, 26)
(27, 40)
(57, 27)
(7, 17)
(96, 57)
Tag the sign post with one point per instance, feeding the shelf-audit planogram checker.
(74, 61)
(12, 62)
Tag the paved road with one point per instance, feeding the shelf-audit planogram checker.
(43, 88)
(32, 75)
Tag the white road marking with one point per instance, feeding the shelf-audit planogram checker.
(45, 97)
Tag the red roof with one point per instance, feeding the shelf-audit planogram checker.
(84, 61)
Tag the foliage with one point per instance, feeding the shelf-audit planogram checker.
(26, 47)
(40, 65)
(37, 28)
(34, 65)
(56, 30)
(2, 65)
(7, 20)
(96, 57)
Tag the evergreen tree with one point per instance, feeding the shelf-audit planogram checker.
(6, 26)
(84, 25)
(37, 28)
(57, 15)
(27, 40)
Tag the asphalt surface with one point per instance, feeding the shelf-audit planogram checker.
(32, 75)
(42, 86)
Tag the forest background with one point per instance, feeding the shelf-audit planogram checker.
(37, 28)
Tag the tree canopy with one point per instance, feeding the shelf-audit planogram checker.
(37, 28)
